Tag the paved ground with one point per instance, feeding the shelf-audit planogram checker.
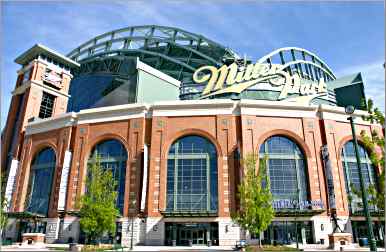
(136, 248)
(51, 247)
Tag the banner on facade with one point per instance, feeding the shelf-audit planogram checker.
(329, 177)
(64, 180)
(144, 178)
(296, 204)
(11, 184)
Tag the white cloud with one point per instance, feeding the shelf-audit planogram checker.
(374, 80)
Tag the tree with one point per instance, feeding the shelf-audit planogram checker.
(3, 206)
(256, 211)
(375, 144)
(374, 114)
(98, 205)
(3, 215)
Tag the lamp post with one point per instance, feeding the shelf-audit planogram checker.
(373, 245)
(132, 209)
(296, 221)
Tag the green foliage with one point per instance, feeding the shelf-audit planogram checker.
(97, 248)
(4, 204)
(256, 211)
(375, 115)
(3, 215)
(97, 206)
(270, 248)
(375, 144)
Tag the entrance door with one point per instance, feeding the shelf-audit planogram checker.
(184, 236)
(198, 236)
(195, 233)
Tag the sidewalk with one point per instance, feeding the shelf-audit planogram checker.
(56, 247)
(177, 248)
(180, 248)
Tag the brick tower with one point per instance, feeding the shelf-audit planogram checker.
(41, 91)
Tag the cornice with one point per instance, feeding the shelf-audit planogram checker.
(48, 124)
(193, 108)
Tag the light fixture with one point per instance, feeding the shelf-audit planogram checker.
(349, 109)
(370, 235)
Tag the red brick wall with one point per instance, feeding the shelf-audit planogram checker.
(56, 139)
(130, 133)
(30, 108)
(226, 132)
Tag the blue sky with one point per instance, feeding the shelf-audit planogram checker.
(348, 36)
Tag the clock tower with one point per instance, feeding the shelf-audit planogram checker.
(41, 91)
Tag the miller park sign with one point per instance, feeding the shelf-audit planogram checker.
(236, 79)
(297, 204)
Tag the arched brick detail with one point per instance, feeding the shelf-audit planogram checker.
(303, 147)
(345, 140)
(91, 145)
(39, 147)
(188, 132)
(102, 138)
(348, 138)
(286, 133)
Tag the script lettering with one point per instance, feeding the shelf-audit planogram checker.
(235, 79)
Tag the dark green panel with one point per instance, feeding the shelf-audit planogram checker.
(349, 90)
(351, 95)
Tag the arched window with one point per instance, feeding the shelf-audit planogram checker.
(192, 176)
(286, 168)
(40, 181)
(351, 171)
(113, 156)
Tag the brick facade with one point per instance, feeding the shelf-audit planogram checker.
(235, 128)
(226, 129)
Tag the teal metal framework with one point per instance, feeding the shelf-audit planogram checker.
(179, 53)
(173, 51)
(299, 60)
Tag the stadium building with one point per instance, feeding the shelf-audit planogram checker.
(172, 114)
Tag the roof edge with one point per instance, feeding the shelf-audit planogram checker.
(35, 50)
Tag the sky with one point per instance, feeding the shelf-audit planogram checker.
(348, 36)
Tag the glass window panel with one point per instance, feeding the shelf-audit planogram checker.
(47, 105)
(286, 168)
(351, 172)
(42, 171)
(193, 154)
(113, 156)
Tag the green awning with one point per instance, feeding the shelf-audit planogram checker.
(293, 213)
(25, 215)
(189, 213)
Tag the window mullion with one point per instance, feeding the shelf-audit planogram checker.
(267, 161)
(348, 177)
(207, 182)
(175, 179)
(298, 192)
(369, 166)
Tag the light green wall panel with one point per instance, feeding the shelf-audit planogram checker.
(153, 89)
